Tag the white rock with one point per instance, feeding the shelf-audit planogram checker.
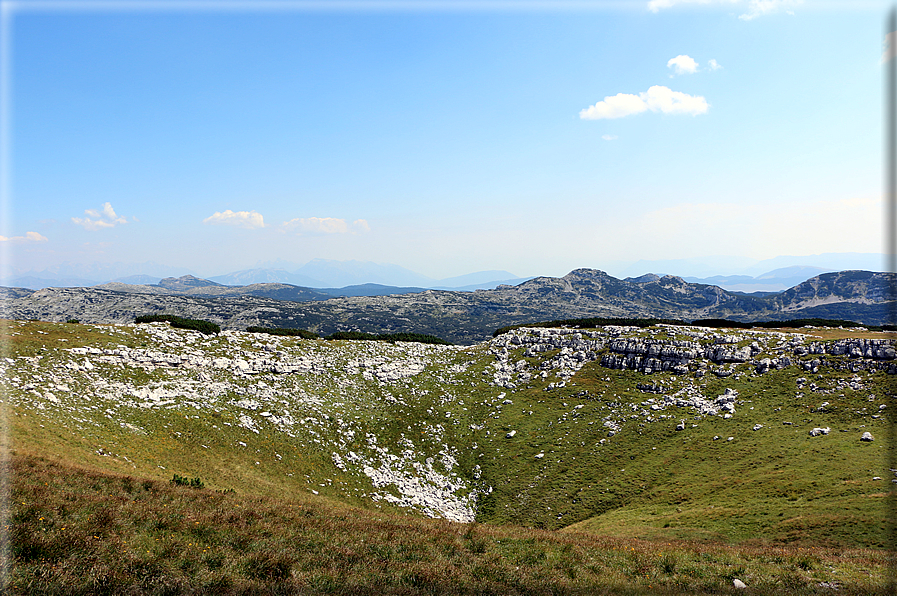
(738, 583)
(867, 436)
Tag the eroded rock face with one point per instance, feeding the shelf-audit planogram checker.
(877, 349)
(766, 351)
(649, 356)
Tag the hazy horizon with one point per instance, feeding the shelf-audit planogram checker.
(356, 272)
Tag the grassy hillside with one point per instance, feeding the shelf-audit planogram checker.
(529, 430)
(76, 531)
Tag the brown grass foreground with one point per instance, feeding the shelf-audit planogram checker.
(75, 531)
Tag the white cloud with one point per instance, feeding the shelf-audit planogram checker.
(609, 137)
(663, 99)
(657, 99)
(616, 106)
(683, 64)
(243, 219)
(28, 237)
(714, 65)
(95, 220)
(325, 225)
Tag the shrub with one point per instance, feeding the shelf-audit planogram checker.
(204, 327)
(284, 331)
(73, 321)
(390, 337)
(183, 481)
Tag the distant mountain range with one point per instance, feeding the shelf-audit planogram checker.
(767, 283)
(708, 267)
(357, 278)
(462, 317)
(351, 276)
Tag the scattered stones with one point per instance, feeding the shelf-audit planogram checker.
(757, 427)
(819, 431)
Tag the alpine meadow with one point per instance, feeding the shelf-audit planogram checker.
(478, 297)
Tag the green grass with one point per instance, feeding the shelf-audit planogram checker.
(764, 499)
(77, 531)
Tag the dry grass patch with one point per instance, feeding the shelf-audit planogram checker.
(76, 531)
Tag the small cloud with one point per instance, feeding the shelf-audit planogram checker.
(95, 220)
(616, 106)
(683, 64)
(361, 225)
(609, 137)
(243, 219)
(28, 237)
(714, 65)
(657, 99)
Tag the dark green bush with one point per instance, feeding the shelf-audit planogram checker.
(178, 480)
(204, 327)
(390, 337)
(789, 323)
(74, 321)
(284, 331)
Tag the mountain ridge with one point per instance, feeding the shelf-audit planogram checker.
(463, 317)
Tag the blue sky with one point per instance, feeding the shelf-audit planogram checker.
(530, 138)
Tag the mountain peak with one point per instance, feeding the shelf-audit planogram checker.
(585, 273)
(184, 282)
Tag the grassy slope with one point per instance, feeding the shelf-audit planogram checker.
(776, 484)
(80, 532)
(772, 486)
